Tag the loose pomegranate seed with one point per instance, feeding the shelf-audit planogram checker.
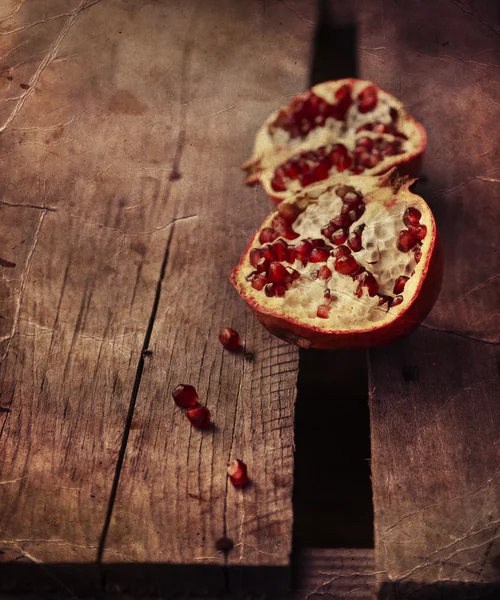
(255, 256)
(263, 265)
(339, 237)
(278, 184)
(320, 254)
(406, 241)
(418, 255)
(289, 212)
(399, 286)
(324, 272)
(411, 216)
(258, 282)
(303, 250)
(346, 264)
(199, 416)
(323, 311)
(282, 227)
(419, 231)
(280, 249)
(397, 300)
(278, 273)
(237, 471)
(367, 99)
(185, 395)
(267, 235)
(341, 251)
(230, 339)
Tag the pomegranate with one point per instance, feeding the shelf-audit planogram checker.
(237, 471)
(345, 126)
(374, 283)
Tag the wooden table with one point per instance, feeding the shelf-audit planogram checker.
(122, 207)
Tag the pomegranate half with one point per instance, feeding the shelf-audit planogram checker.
(344, 126)
(354, 262)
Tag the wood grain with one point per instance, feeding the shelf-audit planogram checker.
(434, 396)
(122, 207)
(173, 493)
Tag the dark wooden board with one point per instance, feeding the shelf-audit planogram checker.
(123, 208)
(434, 396)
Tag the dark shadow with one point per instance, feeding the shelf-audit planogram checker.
(332, 492)
(412, 590)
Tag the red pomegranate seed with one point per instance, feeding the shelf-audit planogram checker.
(258, 282)
(357, 170)
(290, 255)
(367, 99)
(269, 290)
(263, 265)
(368, 160)
(364, 144)
(199, 416)
(267, 235)
(293, 273)
(278, 273)
(337, 154)
(324, 272)
(230, 339)
(406, 241)
(280, 250)
(278, 184)
(343, 190)
(279, 290)
(419, 231)
(328, 231)
(340, 221)
(237, 471)
(303, 250)
(317, 242)
(320, 254)
(411, 216)
(354, 242)
(289, 212)
(352, 199)
(371, 284)
(339, 237)
(341, 251)
(399, 286)
(306, 179)
(283, 228)
(329, 297)
(255, 256)
(291, 169)
(343, 95)
(381, 128)
(314, 274)
(397, 300)
(185, 395)
(321, 171)
(418, 255)
(358, 212)
(346, 264)
(268, 252)
(323, 311)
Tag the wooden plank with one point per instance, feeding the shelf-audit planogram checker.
(86, 155)
(174, 501)
(434, 396)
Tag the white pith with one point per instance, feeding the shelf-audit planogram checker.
(272, 148)
(384, 220)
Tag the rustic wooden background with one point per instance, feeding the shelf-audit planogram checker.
(122, 125)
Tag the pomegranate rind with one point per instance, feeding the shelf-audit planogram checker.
(267, 155)
(420, 295)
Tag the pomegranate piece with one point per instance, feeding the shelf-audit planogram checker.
(380, 141)
(199, 417)
(185, 395)
(362, 260)
(237, 472)
(230, 338)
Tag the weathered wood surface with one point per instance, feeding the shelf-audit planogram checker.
(122, 205)
(434, 397)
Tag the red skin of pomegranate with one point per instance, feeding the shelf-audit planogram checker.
(408, 164)
(308, 336)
